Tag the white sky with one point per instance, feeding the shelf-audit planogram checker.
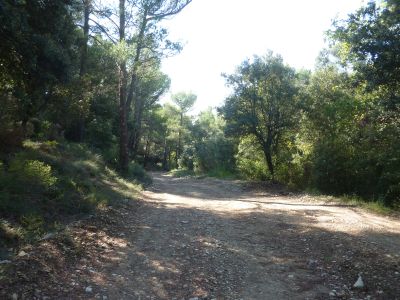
(219, 34)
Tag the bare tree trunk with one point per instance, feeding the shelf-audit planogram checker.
(146, 152)
(83, 64)
(178, 152)
(137, 129)
(123, 126)
(132, 96)
(165, 155)
(84, 46)
(268, 158)
(267, 149)
(176, 156)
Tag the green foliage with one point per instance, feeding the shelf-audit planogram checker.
(182, 173)
(295, 167)
(184, 101)
(11, 136)
(263, 103)
(221, 173)
(45, 182)
(31, 172)
(250, 160)
(33, 225)
(36, 53)
(186, 160)
(100, 133)
(335, 129)
(369, 41)
(137, 172)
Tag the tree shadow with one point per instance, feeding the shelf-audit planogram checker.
(163, 250)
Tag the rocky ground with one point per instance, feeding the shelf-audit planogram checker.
(212, 239)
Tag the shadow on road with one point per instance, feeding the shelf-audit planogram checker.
(188, 238)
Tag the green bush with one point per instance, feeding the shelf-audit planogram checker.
(221, 173)
(33, 225)
(25, 184)
(110, 155)
(182, 173)
(31, 173)
(137, 172)
(100, 134)
(186, 161)
(250, 160)
(214, 152)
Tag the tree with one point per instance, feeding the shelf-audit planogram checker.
(185, 102)
(140, 41)
(263, 102)
(171, 114)
(37, 52)
(332, 112)
(152, 84)
(213, 151)
(150, 13)
(369, 42)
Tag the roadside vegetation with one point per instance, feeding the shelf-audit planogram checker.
(334, 130)
(46, 185)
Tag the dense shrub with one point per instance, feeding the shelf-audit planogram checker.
(186, 161)
(250, 160)
(46, 182)
(32, 173)
(137, 172)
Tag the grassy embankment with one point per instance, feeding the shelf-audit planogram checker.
(46, 185)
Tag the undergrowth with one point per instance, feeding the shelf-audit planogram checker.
(216, 173)
(375, 206)
(182, 173)
(45, 184)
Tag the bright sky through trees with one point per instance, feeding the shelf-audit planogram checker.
(219, 34)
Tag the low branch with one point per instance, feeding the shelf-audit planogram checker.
(104, 31)
(171, 12)
(108, 18)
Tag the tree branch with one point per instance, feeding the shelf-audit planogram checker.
(171, 12)
(104, 31)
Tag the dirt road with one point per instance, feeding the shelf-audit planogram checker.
(210, 238)
(215, 239)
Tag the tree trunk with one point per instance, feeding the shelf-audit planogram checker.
(169, 158)
(178, 152)
(176, 157)
(270, 165)
(132, 96)
(123, 126)
(84, 45)
(137, 129)
(165, 156)
(83, 63)
(146, 152)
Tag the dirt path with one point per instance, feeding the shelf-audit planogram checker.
(215, 239)
(210, 238)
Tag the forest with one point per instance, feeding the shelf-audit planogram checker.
(81, 74)
(83, 120)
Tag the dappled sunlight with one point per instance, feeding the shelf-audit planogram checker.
(226, 198)
(181, 242)
(285, 235)
(161, 266)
